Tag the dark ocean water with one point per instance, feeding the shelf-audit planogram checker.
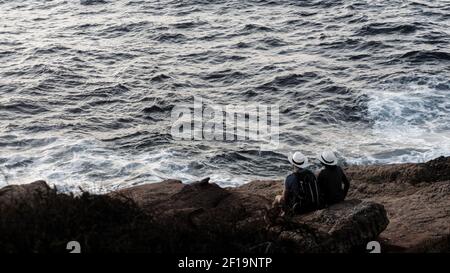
(87, 87)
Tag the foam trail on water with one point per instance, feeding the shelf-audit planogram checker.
(88, 165)
(410, 124)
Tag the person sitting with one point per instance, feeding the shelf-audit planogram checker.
(332, 180)
(301, 192)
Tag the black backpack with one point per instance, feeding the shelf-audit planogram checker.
(308, 197)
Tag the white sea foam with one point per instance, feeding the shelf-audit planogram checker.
(411, 124)
(88, 165)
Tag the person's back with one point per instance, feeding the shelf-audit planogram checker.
(301, 192)
(332, 180)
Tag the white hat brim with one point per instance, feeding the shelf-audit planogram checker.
(290, 158)
(330, 163)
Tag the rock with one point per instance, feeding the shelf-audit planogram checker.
(173, 195)
(233, 216)
(19, 193)
(266, 188)
(416, 197)
(149, 195)
(411, 173)
(340, 228)
(420, 222)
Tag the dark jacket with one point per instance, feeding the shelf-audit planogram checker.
(301, 192)
(333, 184)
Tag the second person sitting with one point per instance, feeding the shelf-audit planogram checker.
(333, 182)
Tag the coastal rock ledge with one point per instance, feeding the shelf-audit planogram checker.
(202, 217)
(344, 227)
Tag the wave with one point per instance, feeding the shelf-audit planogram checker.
(224, 76)
(373, 45)
(93, 166)
(117, 30)
(160, 78)
(171, 38)
(157, 109)
(92, 2)
(109, 91)
(32, 108)
(410, 121)
(50, 50)
(271, 42)
(426, 56)
(189, 24)
(289, 80)
(255, 28)
(388, 28)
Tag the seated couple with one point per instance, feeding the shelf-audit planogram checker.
(304, 192)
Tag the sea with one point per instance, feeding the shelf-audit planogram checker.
(88, 87)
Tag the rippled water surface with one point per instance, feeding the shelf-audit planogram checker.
(87, 87)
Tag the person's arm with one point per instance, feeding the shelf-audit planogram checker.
(286, 190)
(346, 183)
(320, 184)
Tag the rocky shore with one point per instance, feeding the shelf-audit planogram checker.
(406, 207)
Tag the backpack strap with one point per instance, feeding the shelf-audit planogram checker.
(299, 183)
(313, 188)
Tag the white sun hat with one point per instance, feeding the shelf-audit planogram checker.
(328, 158)
(298, 159)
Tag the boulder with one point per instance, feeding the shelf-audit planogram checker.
(341, 228)
(416, 197)
(150, 195)
(13, 194)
